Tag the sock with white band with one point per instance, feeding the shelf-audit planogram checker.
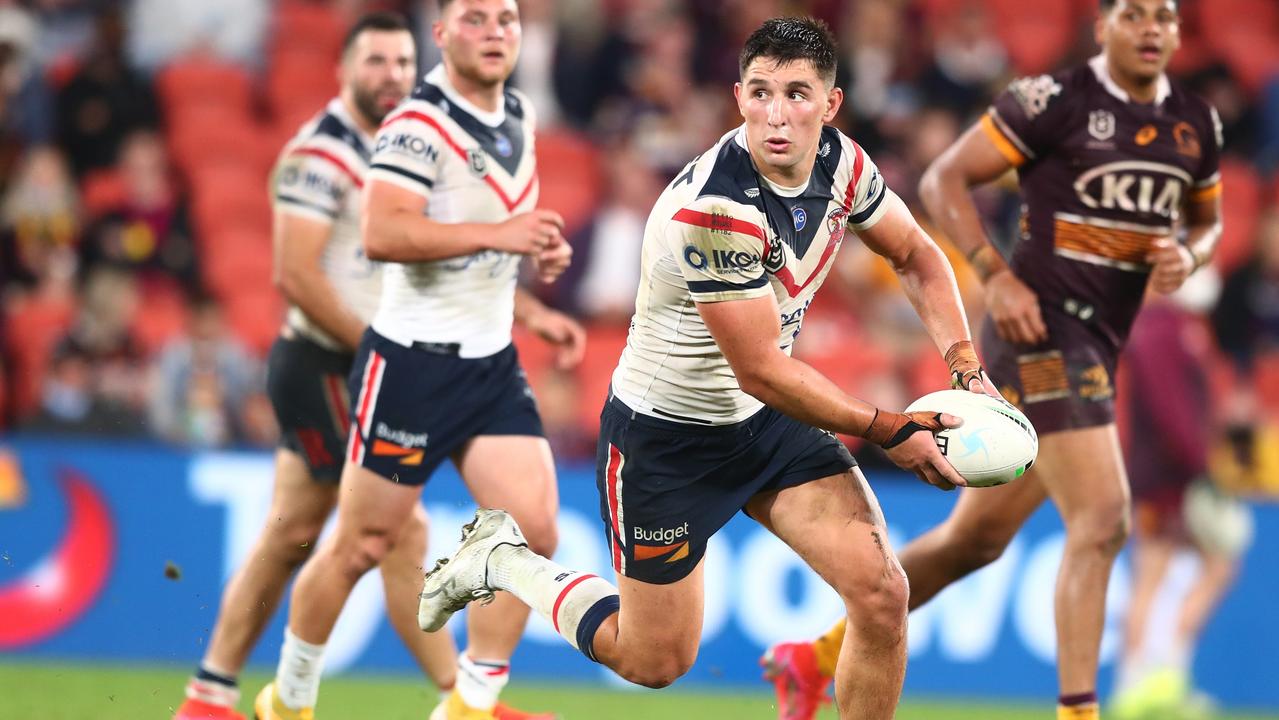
(576, 603)
(297, 678)
(479, 682)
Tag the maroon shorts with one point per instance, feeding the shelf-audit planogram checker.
(1062, 384)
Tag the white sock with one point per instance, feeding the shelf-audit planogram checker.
(212, 693)
(563, 596)
(297, 679)
(479, 682)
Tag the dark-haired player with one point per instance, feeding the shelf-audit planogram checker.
(1118, 171)
(332, 290)
(709, 414)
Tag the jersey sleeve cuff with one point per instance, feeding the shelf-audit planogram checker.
(400, 177)
(1003, 141)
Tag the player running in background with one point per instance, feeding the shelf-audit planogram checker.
(1176, 504)
(709, 414)
(450, 207)
(1118, 171)
(332, 290)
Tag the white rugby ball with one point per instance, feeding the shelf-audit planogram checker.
(995, 445)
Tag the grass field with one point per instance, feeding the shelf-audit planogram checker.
(78, 692)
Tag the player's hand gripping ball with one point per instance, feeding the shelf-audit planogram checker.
(995, 445)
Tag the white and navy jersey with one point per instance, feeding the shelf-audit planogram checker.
(720, 232)
(473, 167)
(319, 176)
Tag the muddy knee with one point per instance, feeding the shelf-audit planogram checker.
(878, 606)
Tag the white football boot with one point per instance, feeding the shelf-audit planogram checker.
(458, 580)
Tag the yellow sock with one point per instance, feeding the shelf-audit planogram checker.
(827, 648)
(1087, 711)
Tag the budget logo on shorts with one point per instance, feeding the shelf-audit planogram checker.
(668, 536)
(408, 447)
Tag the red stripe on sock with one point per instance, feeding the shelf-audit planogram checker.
(555, 612)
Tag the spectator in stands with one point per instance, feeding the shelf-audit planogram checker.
(201, 383)
(39, 217)
(608, 248)
(104, 102)
(68, 403)
(148, 232)
(162, 30)
(968, 60)
(1247, 317)
(665, 126)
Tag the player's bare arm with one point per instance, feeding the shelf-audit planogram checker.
(929, 282)
(945, 189)
(395, 229)
(1173, 261)
(299, 244)
(746, 332)
(561, 331)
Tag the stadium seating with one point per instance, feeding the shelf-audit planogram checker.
(1241, 204)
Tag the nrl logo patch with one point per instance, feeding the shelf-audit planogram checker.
(1101, 124)
(479, 166)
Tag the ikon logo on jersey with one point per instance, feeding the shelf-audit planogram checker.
(407, 144)
(1133, 186)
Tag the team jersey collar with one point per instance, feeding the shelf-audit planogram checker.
(440, 78)
(337, 109)
(1098, 64)
(740, 138)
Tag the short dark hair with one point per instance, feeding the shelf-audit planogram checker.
(1108, 5)
(377, 22)
(787, 39)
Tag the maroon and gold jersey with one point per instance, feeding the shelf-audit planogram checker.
(1101, 177)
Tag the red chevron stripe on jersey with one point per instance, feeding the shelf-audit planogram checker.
(488, 177)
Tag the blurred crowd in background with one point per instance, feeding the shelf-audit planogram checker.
(136, 139)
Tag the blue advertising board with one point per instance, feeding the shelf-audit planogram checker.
(119, 552)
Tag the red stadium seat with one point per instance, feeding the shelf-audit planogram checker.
(199, 81)
(100, 191)
(301, 82)
(569, 176)
(197, 138)
(1036, 35)
(164, 318)
(1240, 205)
(230, 196)
(604, 344)
(255, 314)
(1246, 34)
(307, 26)
(34, 324)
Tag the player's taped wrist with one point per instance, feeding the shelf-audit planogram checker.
(964, 366)
(890, 429)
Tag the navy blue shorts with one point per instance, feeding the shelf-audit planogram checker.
(666, 487)
(416, 406)
(307, 387)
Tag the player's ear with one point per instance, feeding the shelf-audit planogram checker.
(437, 33)
(737, 95)
(834, 98)
(1099, 28)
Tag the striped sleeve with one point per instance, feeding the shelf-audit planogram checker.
(720, 250)
(408, 147)
(1207, 180)
(1026, 119)
(866, 194)
(314, 178)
